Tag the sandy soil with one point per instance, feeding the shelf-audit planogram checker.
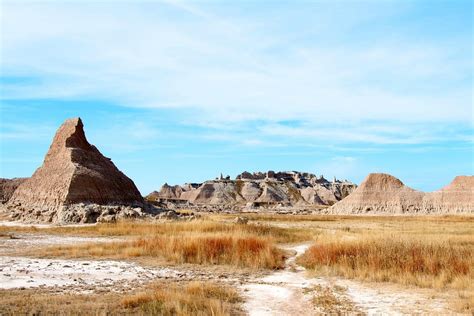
(20, 272)
(23, 224)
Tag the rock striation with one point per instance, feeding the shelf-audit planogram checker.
(255, 190)
(457, 197)
(8, 186)
(382, 193)
(74, 175)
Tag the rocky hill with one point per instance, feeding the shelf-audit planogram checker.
(8, 186)
(457, 197)
(76, 183)
(382, 193)
(253, 190)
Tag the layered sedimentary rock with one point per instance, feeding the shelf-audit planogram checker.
(74, 173)
(384, 194)
(457, 197)
(260, 189)
(8, 186)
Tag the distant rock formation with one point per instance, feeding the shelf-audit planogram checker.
(73, 173)
(382, 193)
(457, 197)
(259, 190)
(8, 186)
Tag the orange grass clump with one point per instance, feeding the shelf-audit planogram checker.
(236, 250)
(431, 264)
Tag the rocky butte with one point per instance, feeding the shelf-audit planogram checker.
(382, 193)
(75, 183)
(249, 191)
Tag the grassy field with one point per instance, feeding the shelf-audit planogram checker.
(192, 298)
(199, 242)
(424, 251)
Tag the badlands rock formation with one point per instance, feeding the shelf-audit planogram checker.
(457, 197)
(382, 193)
(76, 183)
(7, 187)
(267, 190)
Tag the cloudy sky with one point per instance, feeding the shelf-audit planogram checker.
(180, 91)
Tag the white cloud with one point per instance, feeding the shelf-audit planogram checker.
(222, 67)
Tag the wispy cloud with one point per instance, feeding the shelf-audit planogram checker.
(227, 68)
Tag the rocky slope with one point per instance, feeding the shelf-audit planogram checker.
(76, 183)
(267, 190)
(382, 193)
(457, 197)
(8, 186)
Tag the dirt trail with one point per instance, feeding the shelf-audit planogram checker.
(291, 292)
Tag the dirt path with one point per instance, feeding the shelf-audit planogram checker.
(291, 292)
(280, 293)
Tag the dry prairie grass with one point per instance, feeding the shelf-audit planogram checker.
(200, 242)
(138, 228)
(332, 301)
(430, 262)
(235, 250)
(434, 264)
(193, 298)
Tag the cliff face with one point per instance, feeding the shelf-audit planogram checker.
(261, 189)
(384, 194)
(73, 172)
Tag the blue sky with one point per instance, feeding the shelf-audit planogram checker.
(180, 91)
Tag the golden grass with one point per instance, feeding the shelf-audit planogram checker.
(138, 228)
(199, 242)
(195, 298)
(164, 298)
(235, 250)
(376, 248)
(434, 264)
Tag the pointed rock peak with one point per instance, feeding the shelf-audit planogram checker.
(381, 181)
(461, 182)
(71, 134)
(74, 172)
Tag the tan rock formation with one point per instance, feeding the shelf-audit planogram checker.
(262, 189)
(457, 197)
(8, 186)
(384, 194)
(73, 172)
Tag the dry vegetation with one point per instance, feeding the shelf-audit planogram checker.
(241, 251)
(427, 251)
(332, 300)
(435, 264)
(140, 229)
(200, 242)
(193, 298)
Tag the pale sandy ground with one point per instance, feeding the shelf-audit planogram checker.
(22, 224)
(20, 272)
(283, 293)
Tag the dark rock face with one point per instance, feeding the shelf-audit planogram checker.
(8, 186)
(266, 189)
(73, 172)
